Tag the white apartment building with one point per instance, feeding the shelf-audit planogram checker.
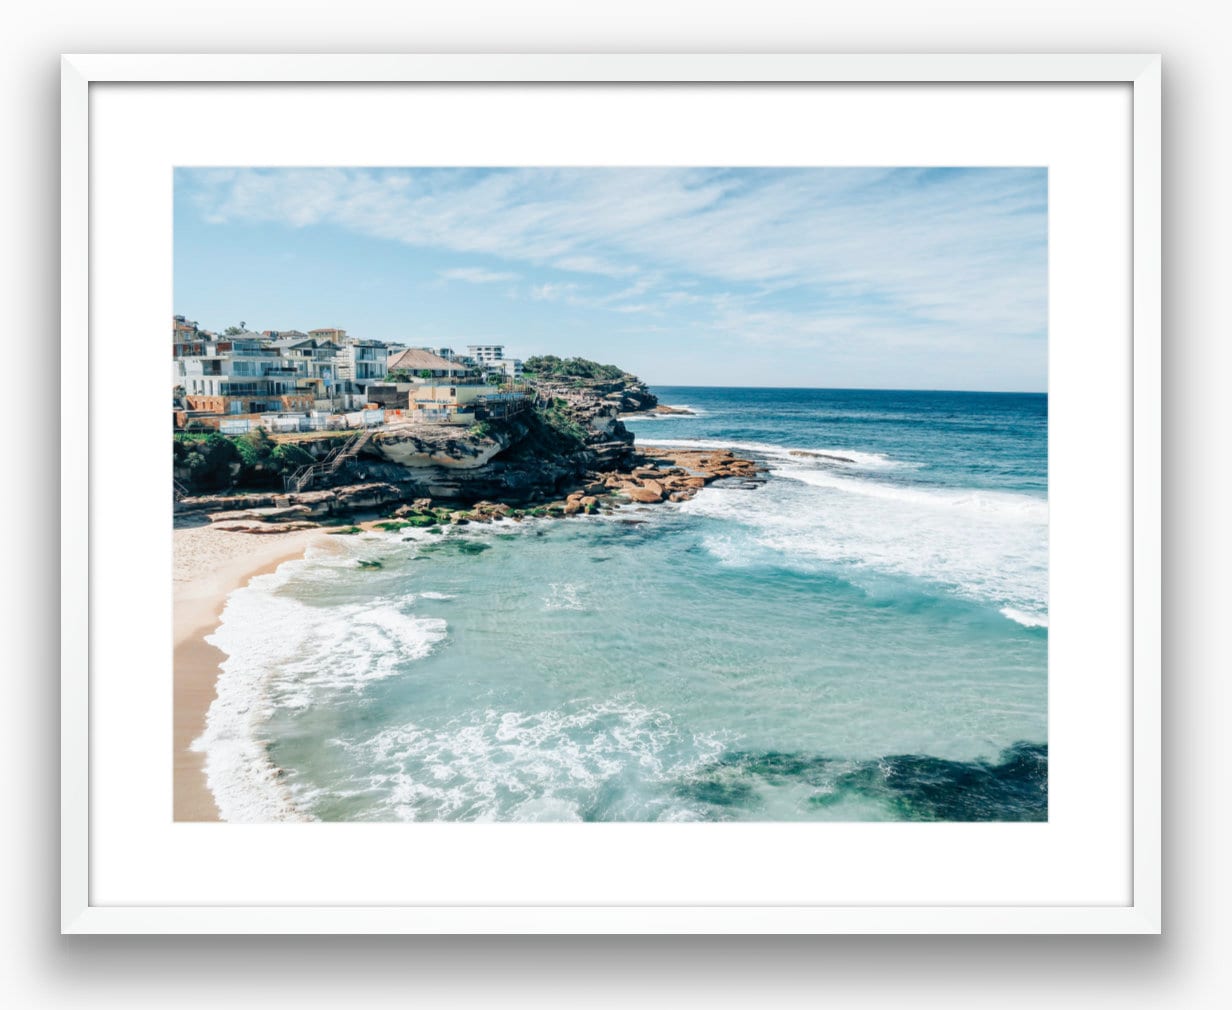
(236, 374)
(512, 367)
(249, 373)
(486, 354)
(312, 358)
(363, 361)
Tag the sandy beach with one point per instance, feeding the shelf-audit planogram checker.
(208, 565)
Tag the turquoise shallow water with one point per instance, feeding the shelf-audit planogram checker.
(859, 640)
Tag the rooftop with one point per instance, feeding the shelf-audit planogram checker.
(416, 359)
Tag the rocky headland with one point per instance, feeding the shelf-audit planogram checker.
(654, 476)
(567, 453)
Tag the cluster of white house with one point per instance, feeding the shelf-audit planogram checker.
(287, 379)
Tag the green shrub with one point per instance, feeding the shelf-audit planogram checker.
(289, 457)
(208, 461)
(255, 448)
(550, 366)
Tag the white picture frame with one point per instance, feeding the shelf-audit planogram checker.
(81, 720)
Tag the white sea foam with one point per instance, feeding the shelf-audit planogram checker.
(1028, 620)
(490, 764)
(989, 503)
(563, 596)
(437, 596)
(987, 546)
(826, 456)
(654, 416)
(283, 652)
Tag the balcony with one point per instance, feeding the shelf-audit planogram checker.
(246, 389)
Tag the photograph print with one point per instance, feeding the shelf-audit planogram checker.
(610, 494)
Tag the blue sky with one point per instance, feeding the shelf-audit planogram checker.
(825, 277)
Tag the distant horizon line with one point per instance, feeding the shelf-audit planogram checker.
(859, 389)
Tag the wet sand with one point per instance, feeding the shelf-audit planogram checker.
(208, 565)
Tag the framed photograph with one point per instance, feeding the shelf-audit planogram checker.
(624, 493)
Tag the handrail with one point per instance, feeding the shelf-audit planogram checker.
(306, 474)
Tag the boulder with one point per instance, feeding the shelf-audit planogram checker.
(646, 495)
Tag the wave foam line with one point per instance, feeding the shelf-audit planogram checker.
(524, 766)
(1018, 507)
(988, 547)
(284, 653)
(788, 453)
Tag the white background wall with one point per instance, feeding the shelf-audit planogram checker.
(1181, 969)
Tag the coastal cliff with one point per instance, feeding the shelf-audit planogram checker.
(566, 451)
(565, 435)
(656, 476)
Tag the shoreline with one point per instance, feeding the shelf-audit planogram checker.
(208, 566)
(210, 562)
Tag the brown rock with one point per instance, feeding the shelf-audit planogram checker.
(259, 527)
(645, 494)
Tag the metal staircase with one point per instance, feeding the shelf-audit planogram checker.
(303, 478)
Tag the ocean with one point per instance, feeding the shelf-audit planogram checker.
(862, 638)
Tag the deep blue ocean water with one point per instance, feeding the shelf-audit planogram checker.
(862, 638)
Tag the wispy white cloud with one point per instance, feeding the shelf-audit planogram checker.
(594, 265)
(554, 292)
(789, 258)
(477, 275)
